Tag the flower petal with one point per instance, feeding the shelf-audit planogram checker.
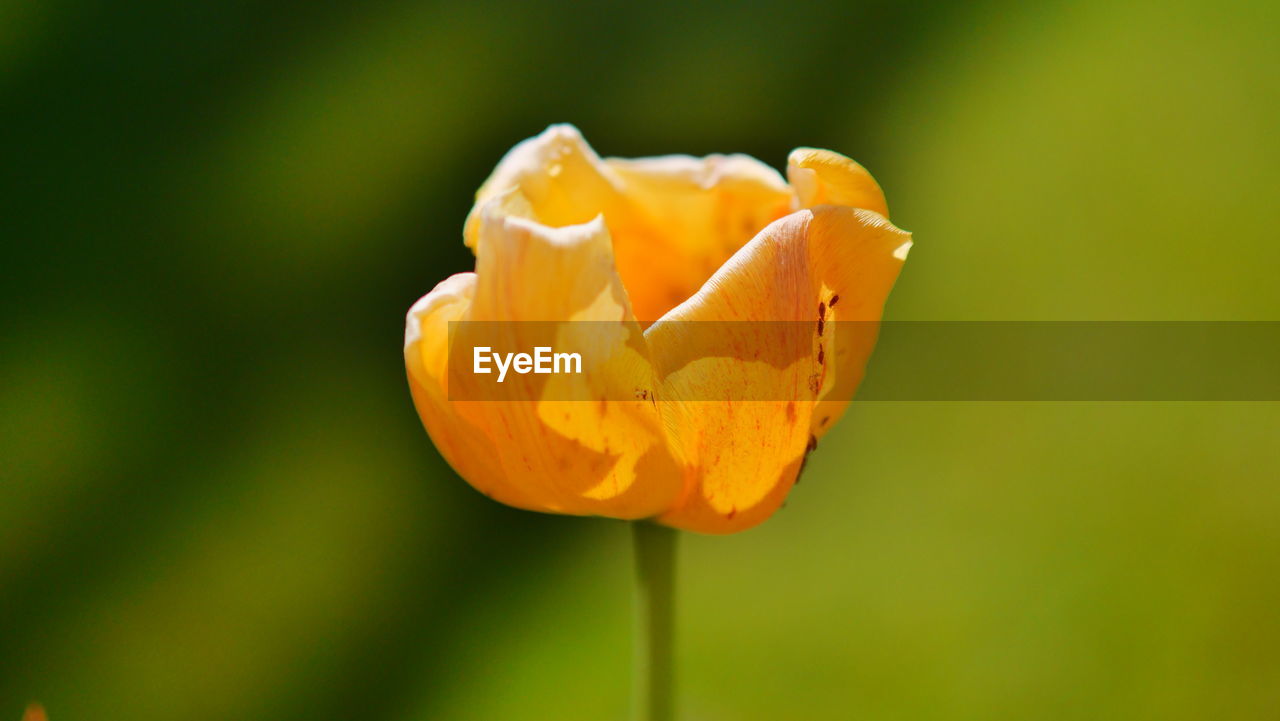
(560, 177)
(706, 209)
(692, 212)
(823, 177)
(551, 443)
(755, 330)
(471, 452)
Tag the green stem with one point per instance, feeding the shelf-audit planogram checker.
(655, 620)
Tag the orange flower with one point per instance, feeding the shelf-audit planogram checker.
(682, 265)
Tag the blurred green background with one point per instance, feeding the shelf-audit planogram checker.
(217, 502)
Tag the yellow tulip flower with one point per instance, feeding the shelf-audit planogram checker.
(680, 270)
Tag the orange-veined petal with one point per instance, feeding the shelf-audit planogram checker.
(754, 331)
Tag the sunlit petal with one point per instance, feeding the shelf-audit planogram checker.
(759, 329)
(568, 443)
(704, 210)
(823, 177)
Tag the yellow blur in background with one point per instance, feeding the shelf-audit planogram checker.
(217, 502)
